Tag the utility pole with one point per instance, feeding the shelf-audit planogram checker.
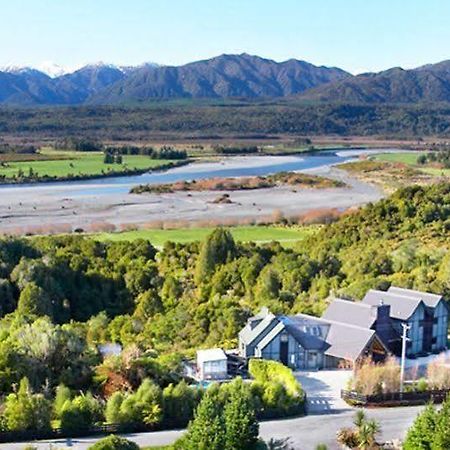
(402, 365)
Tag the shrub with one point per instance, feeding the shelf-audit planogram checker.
(371, 378)
(438, 374)
(113, 442)
(276, 391)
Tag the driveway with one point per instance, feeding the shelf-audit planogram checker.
(323, 389)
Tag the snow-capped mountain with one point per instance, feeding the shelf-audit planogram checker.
(54, 70)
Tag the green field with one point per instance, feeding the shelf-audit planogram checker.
(285, 235)
(405, 158)
(410, 158)
(79, 164)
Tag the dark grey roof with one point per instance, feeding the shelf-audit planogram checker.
(343, 340)
(348, 341)
(308, 331)
(359, 314)
(429, 299)
(247, 335)
(272, 334)
(402, 307)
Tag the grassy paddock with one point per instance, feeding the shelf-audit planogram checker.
(284, 235)
(66, 164)
(409, 158)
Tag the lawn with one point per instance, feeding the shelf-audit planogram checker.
(409, 158)
(88, 163)
(285, 235)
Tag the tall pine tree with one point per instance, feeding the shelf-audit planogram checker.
(207, 430)
(241, 426)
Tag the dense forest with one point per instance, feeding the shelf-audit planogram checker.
(61, 297)
(213, 120)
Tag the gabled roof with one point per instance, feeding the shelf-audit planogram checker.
(211, 354)
(247, 335)
(359, 314)
(308, 331)
(431, 300)
(402, 307)
(348, 341)
(278, 328)
(344, 340)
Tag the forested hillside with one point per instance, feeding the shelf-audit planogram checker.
(226, 119)
(61, 296)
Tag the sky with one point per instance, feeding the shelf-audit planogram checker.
(356, 35)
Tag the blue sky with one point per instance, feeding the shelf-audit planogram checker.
(357, 35)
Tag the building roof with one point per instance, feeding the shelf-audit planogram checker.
(348, 341)
(211, 354)
(402, 307)
(431, 300)
(360, 314)
(248, 334)
(308, 331)
(278, 328)
(341, 340)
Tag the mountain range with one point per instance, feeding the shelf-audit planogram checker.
(225, 76)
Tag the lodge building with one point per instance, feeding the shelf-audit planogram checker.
(349, 331)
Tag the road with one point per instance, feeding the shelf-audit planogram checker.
(327, 414)
(303, 433)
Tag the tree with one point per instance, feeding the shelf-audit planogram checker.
(33, 300)
(421, 434)
(63, 395)
(108, 158)
(240, 421)
(442, 430)
(80, 413)
(112, 411)
(142, 407)
(113, 442)
(25, 410)
(422, 159)
(179, 403)
(207, 430)
(218, 248)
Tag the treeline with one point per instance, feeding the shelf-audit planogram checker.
(213, 121)
(18, 149)
(149, 406)
(442, 158)
(83, 144)
(235, 150)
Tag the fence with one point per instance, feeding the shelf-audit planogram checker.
(58, 433)
(395, 398)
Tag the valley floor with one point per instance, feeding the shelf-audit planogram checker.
(42, 209)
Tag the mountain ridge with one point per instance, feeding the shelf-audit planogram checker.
(222, 76)
(241, 76)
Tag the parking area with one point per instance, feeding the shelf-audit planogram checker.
(323, 389)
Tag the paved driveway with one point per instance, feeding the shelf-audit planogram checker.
(323, 389)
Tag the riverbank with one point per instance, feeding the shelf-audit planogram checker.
(58, 208)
